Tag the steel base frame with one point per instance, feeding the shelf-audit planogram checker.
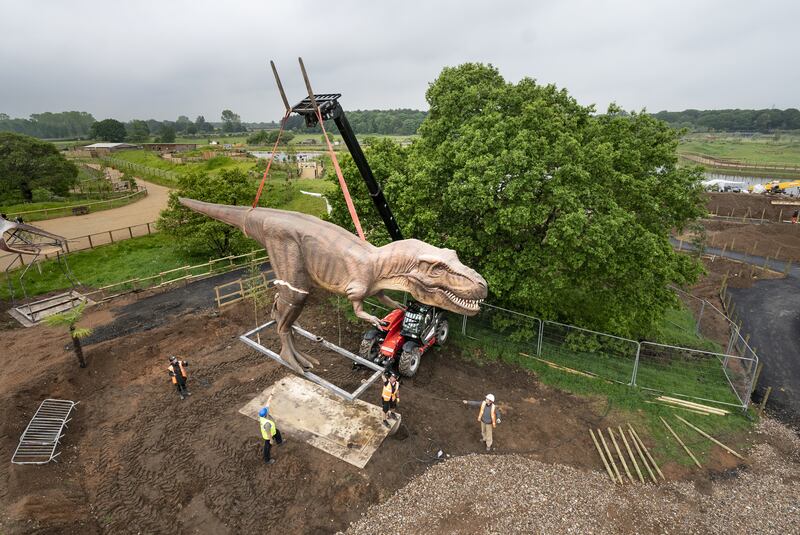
(247, 338)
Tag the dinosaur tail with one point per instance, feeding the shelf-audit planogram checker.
(232, 215)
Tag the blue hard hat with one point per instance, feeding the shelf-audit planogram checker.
(263, 412)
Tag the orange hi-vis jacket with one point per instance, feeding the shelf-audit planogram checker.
(390, 392)
(483, 407)
(172, 373)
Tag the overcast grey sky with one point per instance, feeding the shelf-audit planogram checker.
(161, 59)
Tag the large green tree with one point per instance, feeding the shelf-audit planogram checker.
(231, 122)
(108, 130)
(27, 164)
(567, 214)
(138, 131)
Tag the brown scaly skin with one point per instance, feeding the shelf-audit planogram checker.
(306, 251)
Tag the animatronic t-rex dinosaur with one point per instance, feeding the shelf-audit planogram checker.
(305, 250)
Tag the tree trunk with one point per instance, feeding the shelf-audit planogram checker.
(76, 346)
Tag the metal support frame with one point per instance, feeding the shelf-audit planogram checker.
(349, 396)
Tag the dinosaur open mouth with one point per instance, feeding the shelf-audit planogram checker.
(469, 304)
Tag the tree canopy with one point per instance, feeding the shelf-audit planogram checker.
(268, 137)
(231, 122)
(27, 163)
(138, 131)
(108, 130)
(566, 214)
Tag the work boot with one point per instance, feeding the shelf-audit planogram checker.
(183, 397)
(386, 423)
(271, 461)
(488, 448)
(393, 416)
(188, 393)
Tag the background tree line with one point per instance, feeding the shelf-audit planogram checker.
(733, 120)
(65, 124)
(400, 122)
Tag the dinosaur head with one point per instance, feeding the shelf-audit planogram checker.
(437, 277)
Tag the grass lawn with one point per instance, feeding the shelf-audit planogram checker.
(137, 257)
(746, 151)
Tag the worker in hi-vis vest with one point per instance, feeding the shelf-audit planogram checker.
(269, 431)
(390, 397)
(177, 371)
(488, 419)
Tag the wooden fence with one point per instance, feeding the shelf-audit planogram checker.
(233, 292)
(737, 164)
(90, 241)
(184, 274)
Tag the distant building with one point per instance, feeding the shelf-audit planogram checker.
(307, 141)
(101, 149)
(170, 147)
(309, 169)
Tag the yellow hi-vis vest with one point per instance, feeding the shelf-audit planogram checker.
(389, 393)
(268, 424)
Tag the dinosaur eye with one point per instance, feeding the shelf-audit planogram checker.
(437, 270)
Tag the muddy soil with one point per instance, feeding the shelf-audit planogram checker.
(137, 459)
(750, 205)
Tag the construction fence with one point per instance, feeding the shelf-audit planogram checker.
(137, 167)
(725, 377)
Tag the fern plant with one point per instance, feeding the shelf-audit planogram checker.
(70, 319)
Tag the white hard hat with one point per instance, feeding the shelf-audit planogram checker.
(490, 397)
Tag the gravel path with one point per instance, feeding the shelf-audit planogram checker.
(514, 494)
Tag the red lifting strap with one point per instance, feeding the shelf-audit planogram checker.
(350, 207)
(272, 157)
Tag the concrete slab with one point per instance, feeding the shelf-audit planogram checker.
(348, 430)
(32, 313)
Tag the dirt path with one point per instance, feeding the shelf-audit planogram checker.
(143, 211)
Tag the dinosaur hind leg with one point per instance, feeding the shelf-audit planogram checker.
(287, 308)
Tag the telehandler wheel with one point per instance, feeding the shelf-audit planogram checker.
(410, 359)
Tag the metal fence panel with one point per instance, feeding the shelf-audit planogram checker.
(604, 355)
(690, 373)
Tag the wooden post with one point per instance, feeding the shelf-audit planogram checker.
(91, 245)
(602, 457)
(674, 434)
(610, 457)
(148, 229)
(630, 454)
(764, 401)
(709, 437)
(619, 454)
(733, 240)
(764, 211)
(778, 252)
(780, 216)
(680, 244)
(130, 231)
(110, 236)
(646, 451)
(641, 457)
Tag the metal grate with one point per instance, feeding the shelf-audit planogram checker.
(38, 443)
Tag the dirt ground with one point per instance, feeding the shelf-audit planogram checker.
(137, 459)
(750, 205)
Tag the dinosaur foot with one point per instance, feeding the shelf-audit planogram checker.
(292, 359)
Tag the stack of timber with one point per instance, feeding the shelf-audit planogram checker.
(649, 466)
(691, 406)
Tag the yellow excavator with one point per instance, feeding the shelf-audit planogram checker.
(774, 187)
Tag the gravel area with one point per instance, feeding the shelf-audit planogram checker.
(515, 494)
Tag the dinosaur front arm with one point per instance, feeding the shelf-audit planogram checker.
(388, 301)
(358, 308)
